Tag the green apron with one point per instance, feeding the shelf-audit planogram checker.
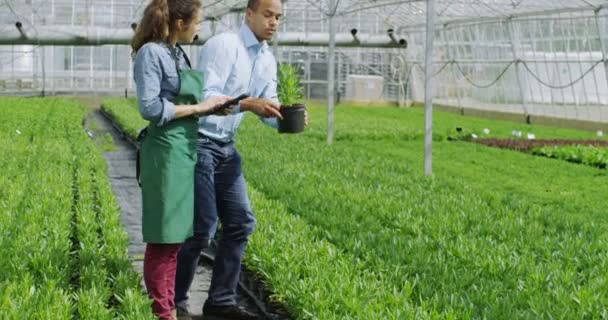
(167, 161)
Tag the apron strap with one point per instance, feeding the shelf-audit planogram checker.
(185, 55)
(140, 138)
(173, 51)
(176, 59)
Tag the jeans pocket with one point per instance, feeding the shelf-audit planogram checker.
(202, 141)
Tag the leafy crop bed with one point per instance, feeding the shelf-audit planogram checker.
(585, 154)
(527, 145)
(354, 231)
(124, 113)
(62, 246)
(589, 152)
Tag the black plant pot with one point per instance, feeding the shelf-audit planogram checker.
(293, 118)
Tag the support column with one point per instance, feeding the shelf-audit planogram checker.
(513, 36)
(331, 72)
(602, 34)
(428, 88)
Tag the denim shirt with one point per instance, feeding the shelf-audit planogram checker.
(157, 81)
(235, 64)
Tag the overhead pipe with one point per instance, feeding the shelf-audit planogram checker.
(94, 36)
(20, 28)
(354, 39)
(353, 32)
(401, 42)
(67, 36)
(391, 34)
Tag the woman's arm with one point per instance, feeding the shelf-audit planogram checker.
(148, 76)
(202, 109)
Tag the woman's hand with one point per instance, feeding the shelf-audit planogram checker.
(210, 106)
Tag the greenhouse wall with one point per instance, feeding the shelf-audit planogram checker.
(547, 63)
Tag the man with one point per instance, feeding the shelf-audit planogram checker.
(233, 64)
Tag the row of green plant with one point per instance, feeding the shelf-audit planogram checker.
(354, 123)
(589, 155)
(313, 269)
(63, 248)
(314, 279)
(494, 234)
(125, 114)
(465, 252)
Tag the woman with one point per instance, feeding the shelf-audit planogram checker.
(168, 94)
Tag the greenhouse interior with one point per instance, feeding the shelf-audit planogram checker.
(450, 161)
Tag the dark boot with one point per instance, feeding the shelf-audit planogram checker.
(182, 313)
(231, 312)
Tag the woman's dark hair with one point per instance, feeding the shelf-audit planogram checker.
(159, 18)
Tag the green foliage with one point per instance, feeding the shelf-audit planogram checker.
(62, 242)
(103, 140)
(461, 134)
(354, 231)
(315, 278)
(289, 88)
(126, 115)
(485, 238)
(356, 123)
(589, 155)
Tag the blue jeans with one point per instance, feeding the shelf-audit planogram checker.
(220, 192)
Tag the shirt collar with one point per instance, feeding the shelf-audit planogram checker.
(172, 49)
(249, 38)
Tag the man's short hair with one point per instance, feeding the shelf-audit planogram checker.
(253, 4)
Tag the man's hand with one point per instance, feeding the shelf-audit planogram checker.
(261, 107)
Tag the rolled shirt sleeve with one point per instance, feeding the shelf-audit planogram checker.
(270, 93)
(148, 75)
(271, 122)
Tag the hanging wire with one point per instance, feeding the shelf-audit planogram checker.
(559, 87)
(483, 86)
(443, 67)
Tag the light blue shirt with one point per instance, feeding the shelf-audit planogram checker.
(157, 81)
(235, 64)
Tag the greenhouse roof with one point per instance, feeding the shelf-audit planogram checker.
(397, 14)
(413, 12)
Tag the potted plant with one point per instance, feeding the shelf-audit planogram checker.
(289, 91)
